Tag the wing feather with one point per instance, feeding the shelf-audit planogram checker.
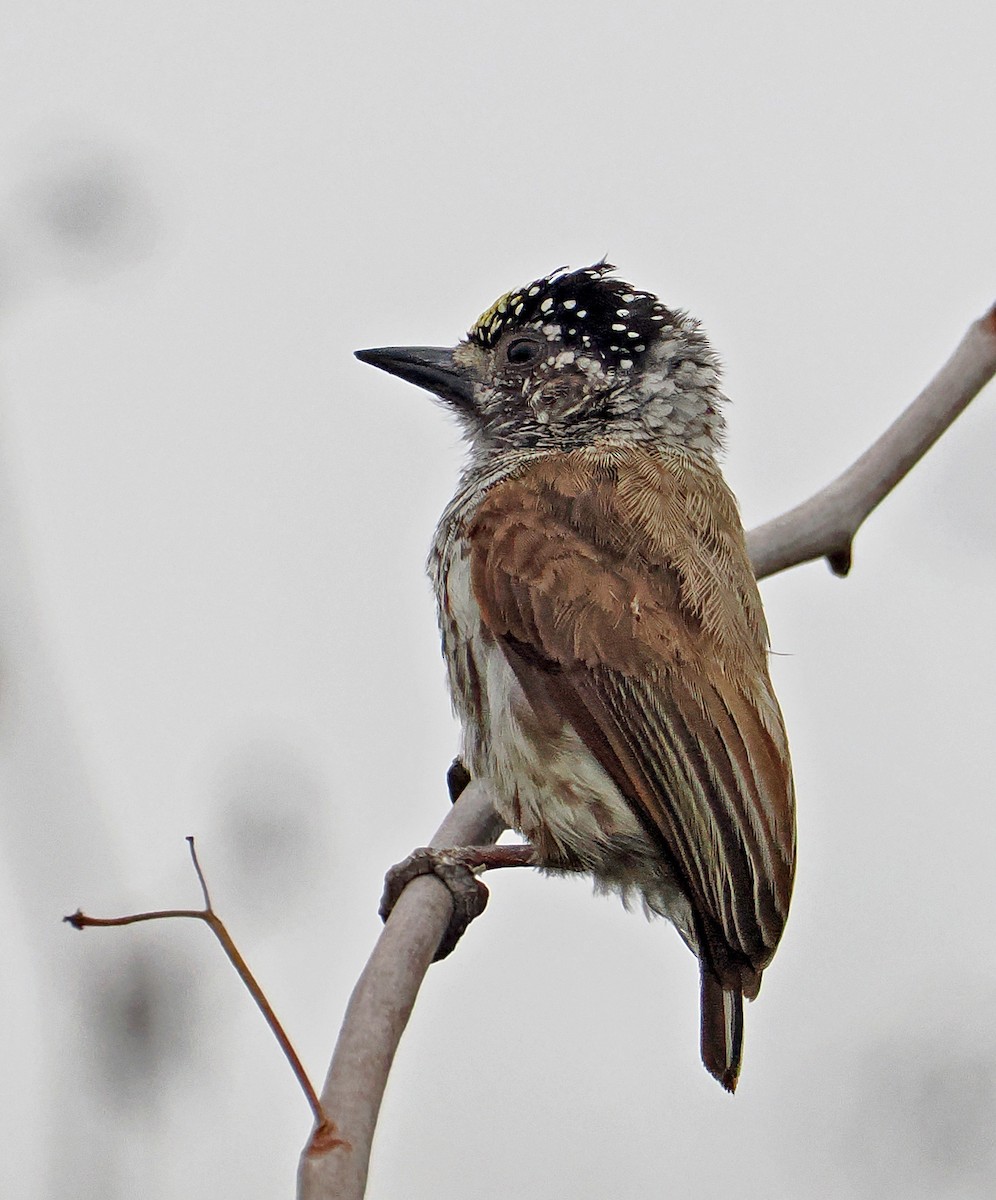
(618, 585)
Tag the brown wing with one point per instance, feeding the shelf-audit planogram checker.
(619, 587)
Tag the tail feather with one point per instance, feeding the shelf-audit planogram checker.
(722, 1029)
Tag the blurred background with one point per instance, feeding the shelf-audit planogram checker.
(214, 618)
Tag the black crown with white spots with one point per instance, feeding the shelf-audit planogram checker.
(586, 310)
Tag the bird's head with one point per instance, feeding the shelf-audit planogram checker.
(569, 360)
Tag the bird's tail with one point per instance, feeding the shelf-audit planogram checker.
(722, 1029)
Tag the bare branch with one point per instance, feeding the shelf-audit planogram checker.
(822, 527)
(380, 1006)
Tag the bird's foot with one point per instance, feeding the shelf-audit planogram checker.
(457, 869)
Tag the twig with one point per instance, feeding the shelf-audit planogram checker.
(822, 527)
(325, 1131)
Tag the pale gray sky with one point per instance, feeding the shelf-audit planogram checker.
(215, 522)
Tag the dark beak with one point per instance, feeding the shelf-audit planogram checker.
(429, 367)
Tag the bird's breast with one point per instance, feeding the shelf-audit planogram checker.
(545, 781)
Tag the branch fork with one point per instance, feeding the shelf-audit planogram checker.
(325, 1137)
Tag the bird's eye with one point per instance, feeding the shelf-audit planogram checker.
(522, 352)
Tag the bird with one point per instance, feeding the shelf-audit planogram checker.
(604, 638)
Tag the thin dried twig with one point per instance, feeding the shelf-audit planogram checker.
(325, 1131)
(822, 527)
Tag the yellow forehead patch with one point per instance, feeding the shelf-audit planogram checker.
(491, 318)
(496, 310)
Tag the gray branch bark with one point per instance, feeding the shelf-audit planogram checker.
(823, 526)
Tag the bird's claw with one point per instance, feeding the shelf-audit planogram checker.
(470, 896)
(457, 778)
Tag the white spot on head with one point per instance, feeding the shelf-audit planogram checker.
(546, 305)
(622, 312)
(629, 297)
(632, 333)
(625, 363)
(619, 327)
(569, 304)
(582, 312)
(534, 291)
